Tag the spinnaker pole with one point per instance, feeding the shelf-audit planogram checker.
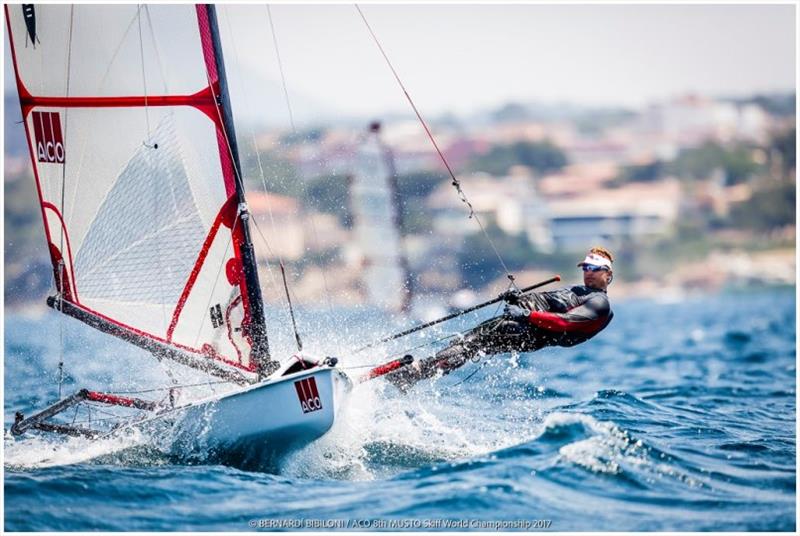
(257, 326)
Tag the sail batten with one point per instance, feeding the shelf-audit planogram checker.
(138, 192)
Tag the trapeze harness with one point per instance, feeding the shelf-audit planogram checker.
(563, 317)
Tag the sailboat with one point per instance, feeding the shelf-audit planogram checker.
(378, 224)
(129, 122)
(130, 127)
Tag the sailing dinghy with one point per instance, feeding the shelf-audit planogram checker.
(129, 124)
(378, 224)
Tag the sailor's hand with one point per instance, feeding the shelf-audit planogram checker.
(511, 296)
(515, 312)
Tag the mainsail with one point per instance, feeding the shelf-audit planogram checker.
(131, 135)
(378, 224)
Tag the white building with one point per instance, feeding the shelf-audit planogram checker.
(613, 216)
(510, 202)
(279, 231)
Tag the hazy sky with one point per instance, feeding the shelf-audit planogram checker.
(464, 57)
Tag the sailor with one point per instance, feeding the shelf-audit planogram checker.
(563, 317)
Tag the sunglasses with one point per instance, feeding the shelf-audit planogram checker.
(594, 268)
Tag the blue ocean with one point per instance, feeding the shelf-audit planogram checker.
(681, 416)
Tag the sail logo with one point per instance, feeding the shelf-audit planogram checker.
(308, 394)
(49, 139)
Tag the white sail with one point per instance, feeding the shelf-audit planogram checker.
(377, 224)
(135, 174)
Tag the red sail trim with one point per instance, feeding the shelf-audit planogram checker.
(223, 214)
(203, 100)
(22, 93)
(206, 42)
(71, 279)
(206, 351)
(226, 158)
(116, 400)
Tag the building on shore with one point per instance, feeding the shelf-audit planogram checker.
(614, 216)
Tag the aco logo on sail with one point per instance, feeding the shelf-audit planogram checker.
(49, 140)
(308, 394)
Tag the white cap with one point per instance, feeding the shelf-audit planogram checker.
(597, 260)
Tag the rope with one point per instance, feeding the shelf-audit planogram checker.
(251, 130)
(280, 68)
(156, 48)
(144, 80)
(455, 182)
(61, 264)
(291, 310)
(157, 389)
(288, 290)
(473, 373)
(294, 131)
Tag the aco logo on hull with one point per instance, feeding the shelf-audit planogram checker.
(49, 138)
(308, 394)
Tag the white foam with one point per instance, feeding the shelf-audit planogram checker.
(40, 452)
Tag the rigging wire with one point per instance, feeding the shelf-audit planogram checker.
(148, 143)
(101, 86)
(237, 175)
(167, 388)
(294, 131)
(288, 290)
(156, 199)
(291, 310)
(226, 136)
(261, 175)
(156, 48)
(455, 182)
(61, 264)
(280, 68)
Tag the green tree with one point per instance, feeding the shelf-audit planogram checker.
(769, 208)
(541, 156)
(419, 184)
(786, 145)
(700, 162)
(479, 264)
(313, 135)
(280, 175)
(331, 194)
(653, 171)
(412, 190)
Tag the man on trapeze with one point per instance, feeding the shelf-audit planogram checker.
(563, 317)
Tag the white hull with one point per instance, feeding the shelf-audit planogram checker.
(263, 421)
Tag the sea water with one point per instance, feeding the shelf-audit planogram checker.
(679, 416)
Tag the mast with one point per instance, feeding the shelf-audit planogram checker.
(257, 326)
(398, 222)
(377, 210)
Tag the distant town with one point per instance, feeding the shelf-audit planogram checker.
(693, 194)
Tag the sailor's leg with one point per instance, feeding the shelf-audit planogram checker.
(486, 338)
(443, 362)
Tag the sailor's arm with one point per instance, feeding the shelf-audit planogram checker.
(541, 301)
(586, 317)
